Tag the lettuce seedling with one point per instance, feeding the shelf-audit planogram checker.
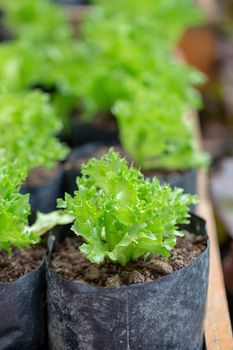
(24, 65)
(169, 17)
(28, 130)
(121, 54)
(120, 215)
(19, 65)
(156, 132)
(42, 52)
(37, 21)
(14, 208)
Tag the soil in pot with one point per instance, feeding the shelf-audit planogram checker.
(20, 262)
(22, 302)
(72, 265)
(40, 176)
(44, 187)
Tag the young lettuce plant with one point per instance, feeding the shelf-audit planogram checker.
(43, 53)
(116, 56)
(120, 215)
(14, 208)
(24, 66)
(169, 17)
(121, 55)
(28, 130)
(37, 21)
(156, 132)
(19, 64)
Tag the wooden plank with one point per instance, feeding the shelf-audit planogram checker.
(218, 332)
(211, 9)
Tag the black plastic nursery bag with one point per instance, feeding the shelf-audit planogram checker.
(165, 314)
(22, 312)
(44, 198)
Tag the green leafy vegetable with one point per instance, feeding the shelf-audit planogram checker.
(14, 208)
(128, 47)
(38, 21)
(24, 65)
(45, 222)
(19, 64)
(156, 133)
(41, 54)
(170, 17)
(120, 215)
(28, 130)
(148, 90)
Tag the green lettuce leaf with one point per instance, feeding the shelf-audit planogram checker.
(120, 215)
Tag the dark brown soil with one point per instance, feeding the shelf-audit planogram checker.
(40, 176)
(72, 265)
(20, 262)
(105, 120)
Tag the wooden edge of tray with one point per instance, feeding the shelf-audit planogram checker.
(212, 11)
(218, 331)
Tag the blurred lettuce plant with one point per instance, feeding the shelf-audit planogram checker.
(50, 66)
(37, 21)
(169, 18)
(28, 130)
(156, 132)
(122, 52)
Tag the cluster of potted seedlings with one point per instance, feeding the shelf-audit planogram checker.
(118, 262)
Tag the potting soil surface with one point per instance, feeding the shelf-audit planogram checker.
(20, 262)
(39, 176)
(71, 264)
(105, 121)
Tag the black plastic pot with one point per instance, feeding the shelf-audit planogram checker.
(44, 198)
(23, 318)
(5, 34)
(82, 133)
(165, 314)
(47, 89)
(186, 180)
